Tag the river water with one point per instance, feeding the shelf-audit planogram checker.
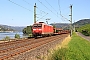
(10, 34)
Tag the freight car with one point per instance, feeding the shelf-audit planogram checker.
(42, 29)
(57, 31)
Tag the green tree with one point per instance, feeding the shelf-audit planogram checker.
(27, 30)
(24, 31)
(7, 38)
(17, 36)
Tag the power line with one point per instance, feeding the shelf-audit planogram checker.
(50, 5)
(60, 11)
(32, 5)
(47, 7)
(20, 5)
(41, 10)
(27, 2)
(42, 16)
(41, 13)
(59, 7)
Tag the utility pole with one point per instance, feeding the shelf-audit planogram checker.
(71, 20)
(35, 13)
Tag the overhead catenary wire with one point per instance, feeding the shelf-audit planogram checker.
(47, 7)
(42, 17)
(50, 5)
(32, 5)
(41, 10)
(60, 11)
(59, 6)
(41, 14)
(20, 6)
(27, 2)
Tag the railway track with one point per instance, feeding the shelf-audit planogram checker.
(13, 48)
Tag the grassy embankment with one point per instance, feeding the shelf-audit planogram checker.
(77, 49)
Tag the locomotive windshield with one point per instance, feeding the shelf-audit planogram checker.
(37, 25)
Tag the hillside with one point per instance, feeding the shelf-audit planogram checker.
(10, 28)
(17, 28)
(83, 26)
(61, 25)
(82, 22)
(4, 28)
(79, 23)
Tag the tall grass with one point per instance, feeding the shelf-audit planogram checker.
(78, 49)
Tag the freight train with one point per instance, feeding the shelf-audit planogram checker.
(41, 29)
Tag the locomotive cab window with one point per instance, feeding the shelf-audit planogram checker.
(39, 25)
(35, 25)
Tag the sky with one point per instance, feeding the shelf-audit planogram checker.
(21, 12)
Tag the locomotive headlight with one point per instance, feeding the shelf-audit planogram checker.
(34, 29)
(39, 29)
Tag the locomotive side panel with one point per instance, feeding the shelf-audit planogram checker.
(47, 29)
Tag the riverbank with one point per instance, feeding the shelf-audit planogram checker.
(10, 34)
(6, 31)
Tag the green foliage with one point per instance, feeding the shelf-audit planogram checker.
(85, 29)
(17, 36)
(78, 49)
(6, 38)
(24, 31)
(27, 30)
(30, 35)
(59, 54)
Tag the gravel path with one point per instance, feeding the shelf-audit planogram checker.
(83, 36)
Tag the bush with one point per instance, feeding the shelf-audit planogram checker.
(7, 38)
(59, 54)
(17, 36)
(85, 30)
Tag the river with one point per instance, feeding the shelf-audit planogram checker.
(10, 34)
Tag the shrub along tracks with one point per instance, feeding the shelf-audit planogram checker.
(12, 48)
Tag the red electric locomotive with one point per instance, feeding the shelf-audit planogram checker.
(42, 29)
